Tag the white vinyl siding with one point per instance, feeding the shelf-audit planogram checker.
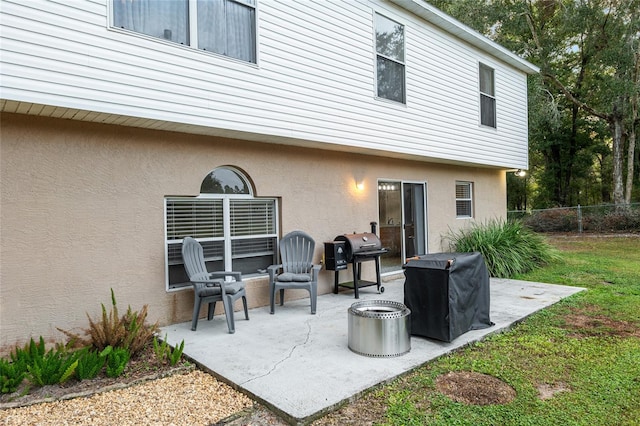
(237, 234)
(312, 84)
(464, 200)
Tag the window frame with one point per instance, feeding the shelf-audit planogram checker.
(192, 30)
(468, 200)
(483, 94)
(226, 239)
(232, 227)
(378, 55)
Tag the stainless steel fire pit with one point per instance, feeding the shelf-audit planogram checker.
(379, 328)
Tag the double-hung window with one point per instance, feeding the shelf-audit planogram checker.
(487, 96)
(237, 231)
(225, 27)
(464, 199)
(390, 64)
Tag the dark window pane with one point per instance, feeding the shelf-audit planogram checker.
(251, 256)
(224, 181)
(390, 80)
(487, 111)
(463, 208)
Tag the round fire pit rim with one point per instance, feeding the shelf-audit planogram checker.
(381, 309)
(379, 328)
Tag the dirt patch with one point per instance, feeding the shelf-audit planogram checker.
(474, 388)
(366, 411)
(463, 386)
(547, 391)
(588, 322)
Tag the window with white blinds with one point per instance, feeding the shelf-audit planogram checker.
(238, 234)
(197, 218)
(464, 199)
(252, 216)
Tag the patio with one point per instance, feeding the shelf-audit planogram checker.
(299, 365)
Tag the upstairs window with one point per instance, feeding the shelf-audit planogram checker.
(487, 97)
(236, 230)
(464, 199)
(390, 59)
(225, 27)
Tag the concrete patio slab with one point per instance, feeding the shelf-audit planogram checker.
(299, 364)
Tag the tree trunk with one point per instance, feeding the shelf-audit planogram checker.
(618, 146)
(630, 158)
(573, 148)
(631, 154)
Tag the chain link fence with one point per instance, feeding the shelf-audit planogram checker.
(598, 218)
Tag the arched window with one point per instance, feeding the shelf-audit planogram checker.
(226, 180)
(238, 232)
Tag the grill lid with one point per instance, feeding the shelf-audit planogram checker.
(360, 243)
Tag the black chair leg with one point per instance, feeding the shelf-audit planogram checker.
(196, 312)
(246, 310)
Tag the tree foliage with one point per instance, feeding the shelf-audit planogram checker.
(584, 104)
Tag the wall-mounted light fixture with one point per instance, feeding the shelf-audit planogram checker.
(358, 179)
(520, 173)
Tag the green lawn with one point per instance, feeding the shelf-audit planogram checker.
(588, 345)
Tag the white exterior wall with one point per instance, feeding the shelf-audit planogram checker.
(314, 80)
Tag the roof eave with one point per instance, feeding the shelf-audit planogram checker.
(441, 20)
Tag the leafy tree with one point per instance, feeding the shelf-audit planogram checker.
(589, 54)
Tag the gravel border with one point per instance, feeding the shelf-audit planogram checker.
(191, 399)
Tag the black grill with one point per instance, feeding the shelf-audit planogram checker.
(354, 249)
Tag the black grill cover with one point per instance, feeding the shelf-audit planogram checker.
(448, 294)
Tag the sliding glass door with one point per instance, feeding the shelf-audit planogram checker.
(403, 221)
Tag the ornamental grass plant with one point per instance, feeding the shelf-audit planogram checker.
(129, 331)
(508, 247)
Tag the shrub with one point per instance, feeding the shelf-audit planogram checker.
(45, 367)
(623, 220)
(138, 333)
(164, 352)
(25, 356)
(117, 360)
(11, 376)
(90, 362)
(130, 331)
(553, 220)
(600, 218)
(508, 248)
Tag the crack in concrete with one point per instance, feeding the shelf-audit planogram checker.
(288, 356)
